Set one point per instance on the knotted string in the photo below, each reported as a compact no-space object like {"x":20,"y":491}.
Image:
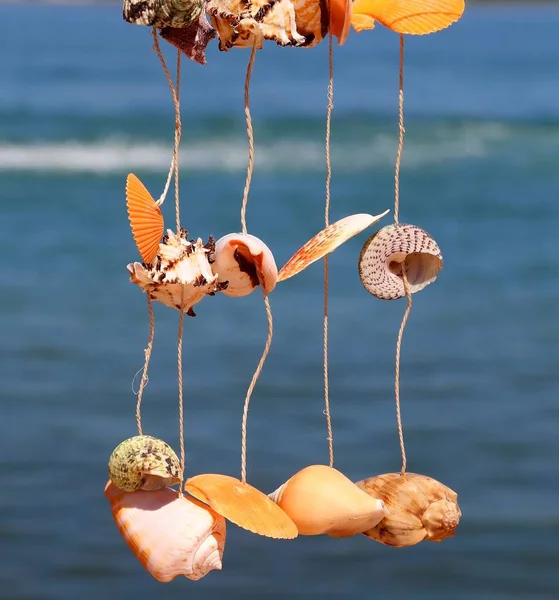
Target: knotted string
{"x":147,"y":353}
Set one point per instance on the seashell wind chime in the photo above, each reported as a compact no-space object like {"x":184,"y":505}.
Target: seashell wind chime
{"x":182,"y":531}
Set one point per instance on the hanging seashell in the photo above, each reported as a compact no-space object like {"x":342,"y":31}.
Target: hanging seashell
{"x":415,"y":17}
{"x":301,"y":23}
{"x":143,"y":462}
{"x":384,"y":253}
{"x":191,"y":40}
{"x":169,"y":535}
{"x":326,"y":241}
{"x":162,"y":13}
{"x":179,"y":274}
{"x":242,"y":504}
{"x":321,"y":500}
{"x":419,"y":508}
{"x":244,"y":262}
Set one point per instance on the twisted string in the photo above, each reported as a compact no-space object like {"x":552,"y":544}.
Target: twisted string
{"x":181,"y":400}
{"x":147,"y":353}
{"x":250,"y":135}
{"x":175,"y":93}
{"x":250,"y":168}
{"x":407,"y":291}
{"x":330,"y":107}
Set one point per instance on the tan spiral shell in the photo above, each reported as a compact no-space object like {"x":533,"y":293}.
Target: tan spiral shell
{"x":380,"y":262}
{"x":143,"y":462}
{"x":419,"y":508}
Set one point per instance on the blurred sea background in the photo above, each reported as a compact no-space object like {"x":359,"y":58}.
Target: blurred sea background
{"x":83,"y":102}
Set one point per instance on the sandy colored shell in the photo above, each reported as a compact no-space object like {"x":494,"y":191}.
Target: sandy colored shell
{"x":243,"y":262}
{"x":144,"y":462}
{"x":419,"y":508}
{"x":326,"y":241}
{"x":162,"y":13}
{"x":169,"y":535}
{"x":242,"y":504}
{"x":382,"y":256}
{"x":414,"y":17}
{"x":321,"y":500}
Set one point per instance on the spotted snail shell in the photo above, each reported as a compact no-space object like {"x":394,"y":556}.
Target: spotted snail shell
{"x":162,"y":13}
{"x":169,"y":535}
{"x":143,"y":462}
{"x":395,"y":247}
{"x":321,"y":500}
{"x":419,"y":508}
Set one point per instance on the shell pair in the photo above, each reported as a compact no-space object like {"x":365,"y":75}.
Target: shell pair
{"x":419,"y":508}
{"x":179,"y":273}
{"x":170,"y":535}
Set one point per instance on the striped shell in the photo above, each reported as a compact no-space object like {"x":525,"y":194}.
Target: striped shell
{"x":162,"y":13}
{"x":169,"y":535}
{"x":143,"y":462}
{"x":384,"y":253}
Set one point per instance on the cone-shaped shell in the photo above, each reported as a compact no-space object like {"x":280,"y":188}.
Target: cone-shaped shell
{"x":382,"y":256}
{"x":143,"y":462}
{"x":419,"y":508}
{"x":320,"y":499}
{"x":169,"y":535}
{"x":145,"y":218}
{"x":242,"y":504}
{"x":415,"y":17}
{"x":326,"y":241}
{"x":244,"y":262}
{"x":162,"y":13}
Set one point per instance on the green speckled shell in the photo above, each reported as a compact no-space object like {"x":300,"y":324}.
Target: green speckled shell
{"x":143,"y":462}
{"x":162,"y":13}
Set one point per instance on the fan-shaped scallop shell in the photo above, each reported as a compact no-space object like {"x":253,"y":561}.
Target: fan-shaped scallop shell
{"x":419,"y":508}
{"x":162,"y":13}
{"x":143,"y":462}
{"x":242,"y":504}
{"x":169,"y":535}
{"x":382,"y":256}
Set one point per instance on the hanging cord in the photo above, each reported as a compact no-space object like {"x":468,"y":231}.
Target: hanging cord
{"x":330,"y":107}
{"x":250,"y":135}
{"x":147,"y":353}
{"x":402,"y":131}
{"x":175,"y":93}
{"x":250,"y":167}
{"x":253,"y":384}
{"x":181,"y":400}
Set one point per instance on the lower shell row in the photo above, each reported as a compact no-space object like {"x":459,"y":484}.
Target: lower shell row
{"x":174,"y":534}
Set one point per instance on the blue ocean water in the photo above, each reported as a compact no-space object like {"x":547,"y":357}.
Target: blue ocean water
{"x":83,"y":102}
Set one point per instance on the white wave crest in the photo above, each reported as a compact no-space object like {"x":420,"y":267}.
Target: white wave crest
{"x":230,"y":155}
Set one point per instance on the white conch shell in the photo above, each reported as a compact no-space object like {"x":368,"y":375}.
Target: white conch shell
{"x":180,"y":275}
{"x":321,"y":500}
{"x":143,"y":462}
{"x":243,"y":262}
{"x":326,"y":241}
{"x":419,"y":508}
{"x":169,"y":535}
{"x":382,"y":256}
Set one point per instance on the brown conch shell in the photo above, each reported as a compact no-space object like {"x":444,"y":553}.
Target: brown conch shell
{"x":301,"y":23}
{"x":244,"y":262}
{"x":169,"y":535}
{"x":384,"y":253}
{"x":143,"y":462}
{"x":419,"y":508}
{"x":321,"y":500}
{"x":326,"y":241}
{"x":242,"y":504}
